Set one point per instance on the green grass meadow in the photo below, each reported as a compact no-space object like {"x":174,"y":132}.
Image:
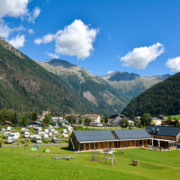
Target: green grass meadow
{"x":23,"y":164}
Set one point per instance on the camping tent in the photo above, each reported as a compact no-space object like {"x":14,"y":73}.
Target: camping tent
{"x":47,"y":150}
{"x":33,"y":149}
{"x":36,"y":146}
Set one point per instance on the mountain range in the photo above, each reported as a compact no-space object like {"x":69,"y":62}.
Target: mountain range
{"x":111,"y":92}
{"x":26,"y":86}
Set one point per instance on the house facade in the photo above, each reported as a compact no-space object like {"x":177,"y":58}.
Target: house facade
{"x":156,"y":121}
{"x":94,"y":117}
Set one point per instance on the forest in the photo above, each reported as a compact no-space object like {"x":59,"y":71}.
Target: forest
{"x":163,"y":98}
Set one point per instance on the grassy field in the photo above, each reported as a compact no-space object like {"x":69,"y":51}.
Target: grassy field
{"x":172,"y":116}
{"x":23,"y":164}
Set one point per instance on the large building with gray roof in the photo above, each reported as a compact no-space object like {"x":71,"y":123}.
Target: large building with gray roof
{"x":93,"y":140}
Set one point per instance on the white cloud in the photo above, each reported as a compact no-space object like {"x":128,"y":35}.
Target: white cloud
{"x":174,"y":64}
{"x":5,"y":31}
{"x":139,"y":58}
{"x":30,"y":31}
{"x":109,"y":72}
{"x":34,"y":15}
{"x":46,"y":39}
{"x":75,"y":40}
{"x":14,"y":8}
{"x":55,"y":56}
{"x":17,"y":41}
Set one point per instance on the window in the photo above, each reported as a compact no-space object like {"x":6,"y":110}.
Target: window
{"x":87,"y":146}
{"x":103,"y":145}
{"x":92,"y":145}
{"x":95,"y":145}
{"x":109,"y":145}
{"x":81,"y":147}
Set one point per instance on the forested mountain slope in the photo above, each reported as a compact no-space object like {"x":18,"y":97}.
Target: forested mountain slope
{"x":162,"y":98}
{"x":97,"y":91}
{"x":26,"y":86}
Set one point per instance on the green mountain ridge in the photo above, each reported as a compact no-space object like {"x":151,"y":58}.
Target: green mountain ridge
{"x":93,"y":88}
{"x":26,"y":86}
{"x":162,"y":98}
{"x":107,"y":94}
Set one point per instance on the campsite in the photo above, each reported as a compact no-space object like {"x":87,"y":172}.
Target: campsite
{"x":23,"y":161}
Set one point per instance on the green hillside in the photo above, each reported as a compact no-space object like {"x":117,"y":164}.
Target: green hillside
{"x":97,"y":91}
{"x":163,"y":98}
{"x":26,"y":86}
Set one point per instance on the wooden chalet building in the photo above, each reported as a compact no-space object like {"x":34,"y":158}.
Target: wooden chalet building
{"x":96,"y":140}
{"x":91,"y":140}
{"x":164,"y":136}
{"x":131,"y":138}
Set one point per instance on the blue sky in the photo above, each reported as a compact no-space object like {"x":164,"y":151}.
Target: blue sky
{"x":134,"y":36}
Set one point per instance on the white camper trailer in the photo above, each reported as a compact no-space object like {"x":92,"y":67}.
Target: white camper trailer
{"x":41,"y":133}
{"x":26,"y":134}
{"x":6,"y":133}
{"x":9,"y":128}
{"x":9,"y":140}
{"x":15,"y":135}
{"x":46,"y":130}
{"x":65,"y":135}
{"x":45,"y":136}
{"x":50,"y":134}
{"x":55,"y":132}
{"x":64,"y":131}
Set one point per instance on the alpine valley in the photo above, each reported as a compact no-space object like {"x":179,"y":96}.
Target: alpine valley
{"x":110,"y":93}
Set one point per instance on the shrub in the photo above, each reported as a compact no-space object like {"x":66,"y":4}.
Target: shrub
{"x":23,"y":142}
{"x":66,"y":141}
{"x":46,"y":141}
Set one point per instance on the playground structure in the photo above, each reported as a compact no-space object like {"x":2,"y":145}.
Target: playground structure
{"x":109,"y":155}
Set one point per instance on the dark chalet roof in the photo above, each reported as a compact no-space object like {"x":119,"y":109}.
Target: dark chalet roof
{"x":105,"y":135}
{"x":163,"y":130}
{"x":132,"y":134}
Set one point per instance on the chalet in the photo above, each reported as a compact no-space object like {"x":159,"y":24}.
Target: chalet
{"x":6,"y":123}
{"x":156,"y":121}
{"x":164,"y":136}
{"x":34,"y":124}
{"x":116,"y":119}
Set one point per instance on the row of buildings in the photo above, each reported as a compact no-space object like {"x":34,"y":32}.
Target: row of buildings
{"x":156,"y":136}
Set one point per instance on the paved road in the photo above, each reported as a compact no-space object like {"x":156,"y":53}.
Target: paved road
{"x":10,"y":145}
